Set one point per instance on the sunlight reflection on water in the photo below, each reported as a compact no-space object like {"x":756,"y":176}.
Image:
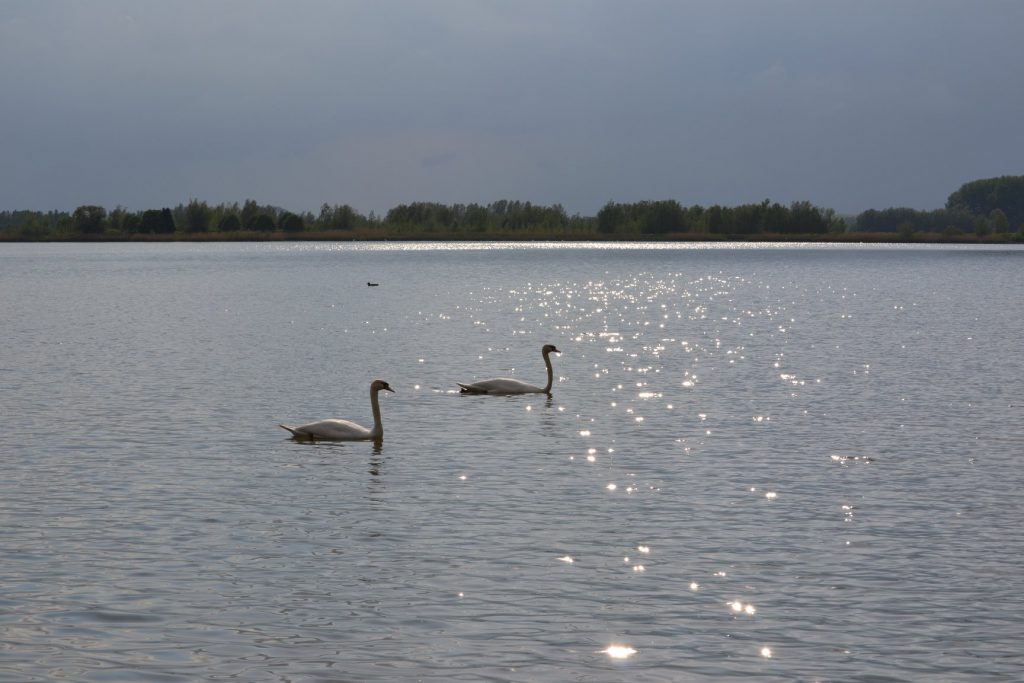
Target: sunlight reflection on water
{"x":418,"y":246}
{"x":619,"y":651}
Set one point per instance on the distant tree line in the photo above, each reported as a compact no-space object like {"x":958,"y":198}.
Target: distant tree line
{"x":981,"y":209}
{"x":195,"y":218}
{"x":989,"y":207}
{"x":669,"y":217}
{"x":503,"y":218}
{"x":498,"y":217}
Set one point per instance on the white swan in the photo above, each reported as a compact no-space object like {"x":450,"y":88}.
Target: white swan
{"x":343,"y":430}
{"x":507,"y":385}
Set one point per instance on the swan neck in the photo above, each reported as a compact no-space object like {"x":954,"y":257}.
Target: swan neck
{"x":378,"y":428}
{"x":551,"y":373}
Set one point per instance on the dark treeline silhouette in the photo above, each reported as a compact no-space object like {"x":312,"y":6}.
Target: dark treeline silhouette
{"x":990,"y":209}
{"x":1003,"y":195}
{"x":903,"y":220}
{"x":668,"y":217}
{"x":498,"y":217}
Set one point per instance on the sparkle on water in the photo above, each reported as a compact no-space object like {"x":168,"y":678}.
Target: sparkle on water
{"x":619,"y":651}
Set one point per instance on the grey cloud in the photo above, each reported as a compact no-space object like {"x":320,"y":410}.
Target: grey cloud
{"x":851,"y":105}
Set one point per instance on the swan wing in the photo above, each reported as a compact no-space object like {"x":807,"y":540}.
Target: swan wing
{"x":500,"y":385}
{"x":333,"y":430}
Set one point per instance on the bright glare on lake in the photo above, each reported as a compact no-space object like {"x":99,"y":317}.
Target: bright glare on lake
{"x":770,"y":462}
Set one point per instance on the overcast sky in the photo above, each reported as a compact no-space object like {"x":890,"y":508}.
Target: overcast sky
{"x":850,"y":104}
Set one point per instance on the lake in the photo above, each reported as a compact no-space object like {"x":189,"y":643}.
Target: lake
{"x":782,"y":462}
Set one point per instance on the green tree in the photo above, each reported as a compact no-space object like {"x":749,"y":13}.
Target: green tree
{"x":197,"y":216}
{"x":32,"y":227}
{"x":64,"y":228}
{"x":131,"y":224}
{"x":1000,"y":223}
{"x":261,"y":223}
{"x":291,"y":223}
{"x":157,"y":222}
{"x":342,"y":217}
{"x":229,"y":222}
{"x":116,"y":221}
{"x":250,"y":209}
{"x":611,"y":218}
{"x":806,"y":219}
{"x":981,"y":197}
{"x":89,"y":220}
{"x":476,"y":218}
{"x":714,"y":219}
{"x":662,"y":217}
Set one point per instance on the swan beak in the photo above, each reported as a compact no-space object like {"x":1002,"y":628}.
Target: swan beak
{"x":387,"y":387}
{"x":557,"y":351}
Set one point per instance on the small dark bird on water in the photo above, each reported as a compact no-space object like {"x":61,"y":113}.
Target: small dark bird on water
{"x":372,"y":284}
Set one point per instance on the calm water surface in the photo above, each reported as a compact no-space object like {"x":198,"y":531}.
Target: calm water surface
{"x":786,"y":463}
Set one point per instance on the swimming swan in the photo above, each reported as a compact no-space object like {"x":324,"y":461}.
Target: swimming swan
{"x":343,"y":430}
{"x":507,"y":385}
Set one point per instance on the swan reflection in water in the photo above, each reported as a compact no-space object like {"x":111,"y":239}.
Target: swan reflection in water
{"x":502,"y":386}
{"x":345,"y":430}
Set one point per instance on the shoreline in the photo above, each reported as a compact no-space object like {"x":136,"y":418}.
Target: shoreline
{"x":363,"y":236}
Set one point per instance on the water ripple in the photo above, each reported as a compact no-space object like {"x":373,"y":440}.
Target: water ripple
{"x":814,"y":456}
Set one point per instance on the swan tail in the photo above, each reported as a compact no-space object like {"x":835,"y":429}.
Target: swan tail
{"x":470,"y":389}
{"x":295,"y":432}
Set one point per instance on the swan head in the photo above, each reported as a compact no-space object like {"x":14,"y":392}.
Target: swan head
{"x":549,"y":348}
{"x":379,"y":384}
